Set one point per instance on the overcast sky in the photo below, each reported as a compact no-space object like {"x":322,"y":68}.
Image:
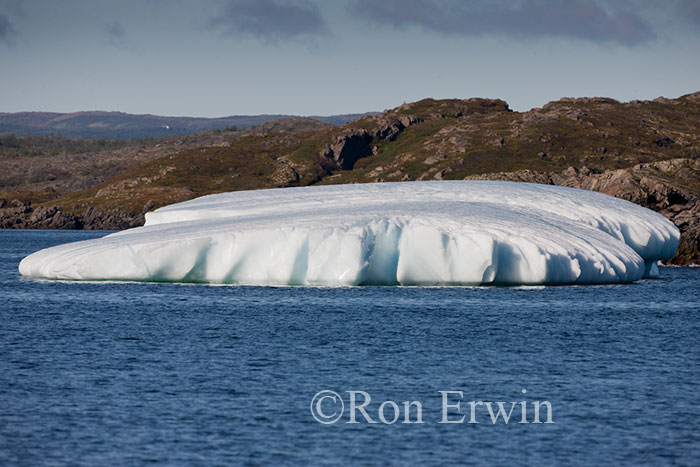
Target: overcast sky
{"x":225,"y":57}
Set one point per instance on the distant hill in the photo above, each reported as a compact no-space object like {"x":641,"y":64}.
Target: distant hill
{"x":119,"y":125}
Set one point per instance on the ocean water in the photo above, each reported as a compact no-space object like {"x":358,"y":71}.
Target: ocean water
{"x":137,"y":373}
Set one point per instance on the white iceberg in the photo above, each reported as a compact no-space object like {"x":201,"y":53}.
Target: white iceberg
{"x":413,"y":233}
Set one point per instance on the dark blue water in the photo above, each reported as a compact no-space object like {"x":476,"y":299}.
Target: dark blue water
{"x":112,"y":374}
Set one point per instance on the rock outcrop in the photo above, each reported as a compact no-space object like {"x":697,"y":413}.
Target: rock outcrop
{"x":346,"y":150}
{"x":356,"y":143}
{"x":25,"y":216}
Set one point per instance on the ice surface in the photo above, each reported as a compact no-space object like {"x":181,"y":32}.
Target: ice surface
{"x":413,"y":233}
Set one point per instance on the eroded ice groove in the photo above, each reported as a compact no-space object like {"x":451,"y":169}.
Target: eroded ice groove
{"x":465,"y":232}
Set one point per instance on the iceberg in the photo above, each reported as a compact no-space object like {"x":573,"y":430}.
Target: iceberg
{"x":407,"y":233}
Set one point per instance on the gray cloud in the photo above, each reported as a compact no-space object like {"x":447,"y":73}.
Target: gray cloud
{"x":271,"y":20}
{"x":8,"y":33}
{"x":691,"y":10}
{"x":116,"y":34}
{"x":578,"y":19}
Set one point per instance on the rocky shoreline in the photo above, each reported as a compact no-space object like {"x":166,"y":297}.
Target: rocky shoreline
{"x":22,"y":215}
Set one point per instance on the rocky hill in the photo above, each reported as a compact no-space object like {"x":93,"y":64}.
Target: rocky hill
{"x":643,"y":151}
